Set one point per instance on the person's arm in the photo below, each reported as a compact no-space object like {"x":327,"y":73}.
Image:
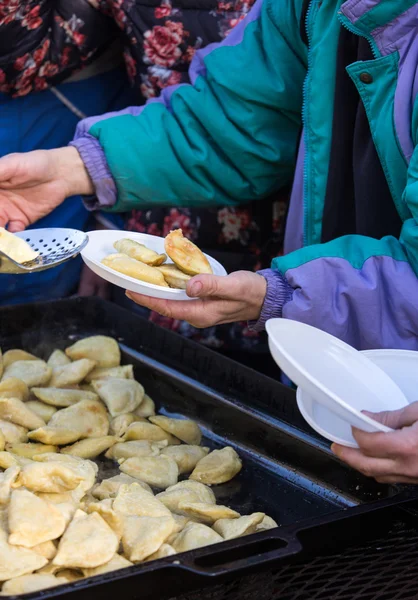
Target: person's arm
{"x":228,"y":138}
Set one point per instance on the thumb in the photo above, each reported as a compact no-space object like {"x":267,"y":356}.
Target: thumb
{"x":227,"y":288}
{"x":396,"y":419}
{"x":8,"y":165}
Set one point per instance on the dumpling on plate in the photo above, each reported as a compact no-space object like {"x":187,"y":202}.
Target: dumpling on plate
{"x":157,"y":471}
{"x":103,"y":349}
{"x":62,"y":398}
{"x":139,"y":252}
{"x":16,"y":411}
{"x":186,"y":457}
{"x":120,"y":395}
{"x":233,"y":528}
{"x":32,"y":372}
{"x":195,"y":535}
{"x":16,"y":354}
{"x":217,"y":467}
{"x":143,"y":536}
{"x":44,"y":411}
{"x":71,"y":374}
{"x":185,"y":430}
{"x":133,"y":268}
{"x":14,"y":388}
{"x":33,"y":521}
{"x":87,"y":416}
{"x":186,"y":255}
{"x":88,"y":542}
{"x":174,"y":277}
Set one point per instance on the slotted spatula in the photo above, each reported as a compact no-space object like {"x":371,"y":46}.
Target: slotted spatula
{"x":55,"y":246}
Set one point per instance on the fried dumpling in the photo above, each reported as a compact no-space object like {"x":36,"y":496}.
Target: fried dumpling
{"x":16,"y":561}
{"x":44,"y":411}
{"x":59,"y":436}
{"x":206,"y":513}
{"x":109,"y":488}
{"x":120,"y":395}
{"x":135,"y":269}
{"x":88,"y":542}
{"x":186,"y":457}
{"x":58,"y":358}
{"x":16,"y":247}
{"x":30,"y":449}
{"x":136,"y":448}
{"x":143,"y":536}
{"x":157,"y":471}
{"x":134,"y":500}
{"x":8,"y":460}
{"x":186,"y":255}
{"x":46,"y":549}
{"x":146,"y":408}
{"x":91,"y":447}
{"x":86,"y":470}
{"x":195,"y":535}
{"x":16,"y":354}
{"x":62,"y":398}
{"x":34,"y":582}
{"x":14,"y":388}
{"x":13,"y":433}
{"x":204,"y":493}
{"x":71,"y":374}
{"x":7,"y":479}
{"x":105,"y":510}
{"x":102,"y":349}
{"x":115,"y":563}
{"x":119,"y":425}
{"x":174,"y":277}
{"x":87,"y":416}
{"x":172,"y":500}
{"x":125,"y":372}
{"x":217,"y":467}
{"x":33,"y":521}
{"x":183,"y":429}
{"x":32,"y":372}
{"x":50,"y":477}
{"x":233,"y":528}
{"x":163,"y":551}
{"x":266,"y":523}
{"x":139,"y":252}
{"x":16,"y":411}
{"x":147,"y":431}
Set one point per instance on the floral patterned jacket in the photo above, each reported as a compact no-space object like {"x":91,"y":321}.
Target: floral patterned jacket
{"x":45,"y":41}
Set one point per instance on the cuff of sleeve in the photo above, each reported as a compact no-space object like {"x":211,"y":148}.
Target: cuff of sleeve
{"x":278,"y":293}
{"x":94,"y":160}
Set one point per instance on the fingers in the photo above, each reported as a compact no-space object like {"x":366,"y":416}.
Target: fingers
{"x":202,"y":286}
{"x":396,"y":419}
{"x":192,"y":312}
{"x":369,"y":466}
{"x":8,"y":165}
{"x":17,"y":225}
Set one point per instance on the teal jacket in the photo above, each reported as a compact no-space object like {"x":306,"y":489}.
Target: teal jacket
{"x":232,"y":135}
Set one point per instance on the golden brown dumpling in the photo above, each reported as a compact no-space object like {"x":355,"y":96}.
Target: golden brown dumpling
{"x":14,"y":388}
{"x":139,"y":252}
{"x":16,"y":411}
{"x":125,"y":372}
{"x":86,"y":470}
{"x":204,"y":493}
{"x":148,"y":431}
{"x":217,"y":467}
{"x":16,"y":247}
{"x":206,"y":513}
{"x":135,"y":269}
{"x":49,"y":477}
{"x":58,"y":359}
{"x":134,"y":500}
{"x":71,"y":374}
{"x":34,"y":582}
{"x":233,"y":528}
{"x":87,"y":543}
{"x":266,"y":523}
{"x":186,"y":457}
{"x":136,"y":448}
{"x":59,"y":436}
{"x":91,"y":447}
{"x":172,"y":500}
{"x":119,"y":425}
{"x":62,"y":398}
{"x":7,"y":479}
{"x":16,"y":561}
{"x":120,"y":395}
{"x":146,"y":408}
{"x":29,"y":450}
{"x":143,"y":536}
{"x":16,"y":354}
{"x":163,"y":551}
{"x":109,"y":488}
{"x":115,"y":563}
{"x":105,"y":510}
{"x":87,"y":416}
{"x":13,"y":433}
{"x":44,"y":411}
{"x":195,"y":535}
{"x":186,"y":255}
{"x":157,"y":471}
{"x":174,"y":277}
{"x":183,"y":429}
{"x":102,"y":349}
{"x":32,"y":372}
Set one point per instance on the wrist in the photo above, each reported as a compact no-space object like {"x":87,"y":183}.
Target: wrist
{"x":69,"y":167}
{"x":278,"y":293}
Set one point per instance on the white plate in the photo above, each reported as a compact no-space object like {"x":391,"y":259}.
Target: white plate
{"x":400,"y":365}
{"x":332,"y":373}
{"x":101,"y":244}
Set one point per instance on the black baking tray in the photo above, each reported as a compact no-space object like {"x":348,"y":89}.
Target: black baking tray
{"x":289,"y":472}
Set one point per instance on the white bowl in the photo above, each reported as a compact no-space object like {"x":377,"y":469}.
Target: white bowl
{"x":400,"y":365}
{"x":100,"y":245}
{"x":333,"y":374}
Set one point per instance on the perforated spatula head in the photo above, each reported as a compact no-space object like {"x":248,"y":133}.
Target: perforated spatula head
{"x":55,"y":246}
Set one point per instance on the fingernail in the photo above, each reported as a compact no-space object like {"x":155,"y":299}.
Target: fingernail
{"x":196,"y":288}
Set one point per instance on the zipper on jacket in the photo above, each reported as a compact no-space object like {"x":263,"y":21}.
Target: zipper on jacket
{"x":350,"y":27}
{"x":306,"y":216}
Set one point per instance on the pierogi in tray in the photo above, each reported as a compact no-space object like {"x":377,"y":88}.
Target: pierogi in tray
{"x":60,"y":522}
